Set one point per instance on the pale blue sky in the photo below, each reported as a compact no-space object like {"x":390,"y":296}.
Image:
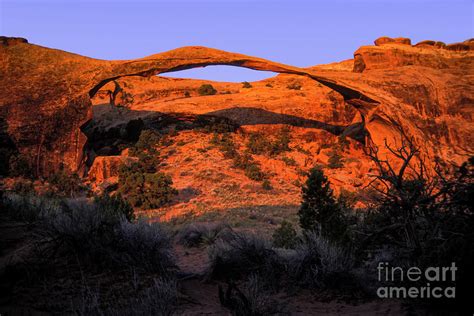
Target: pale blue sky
{"x":297,"y":32}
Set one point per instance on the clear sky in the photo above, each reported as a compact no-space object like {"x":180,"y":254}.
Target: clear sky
{"x":297,"y":32}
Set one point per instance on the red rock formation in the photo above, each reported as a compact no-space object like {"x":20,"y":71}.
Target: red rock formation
{"x":46,"y":94}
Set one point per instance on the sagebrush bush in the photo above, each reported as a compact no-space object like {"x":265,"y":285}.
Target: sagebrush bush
{"x":259,"y":143}
{"x":161,"y":299}
{"x":285,"y":236}
{"x":319,"y":263}
{"x":114,"y":207}
{"x":66,"y":183}
{"x":253,"y":299}
{"x":206,"y":89}
{"x":143,"y":189}
{"x":199,"y":234}
{"x":240,"y":254}
{"x":100,"y":239}
{"x":28,"y":207}
{"x":225,"y":144}
{"x":144,"y":245}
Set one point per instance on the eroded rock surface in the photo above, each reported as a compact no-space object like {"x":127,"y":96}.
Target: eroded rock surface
{"x":45,"y":95}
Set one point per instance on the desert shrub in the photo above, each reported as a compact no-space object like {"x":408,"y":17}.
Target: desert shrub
{"x":28,"y":207}
{"x":145,"y":245}
{"x":114,"y":207}
{"x":319,"y":210}
{"x":253,"y":299}
{"x":146,"y":143}
{"x":269,"y":85}
{"x":335,"y":160}
{"x":19,"y":166}
{"x":187,"y":94}
{"x":246,"y":85}
{"x":319,"y":263}
{"x":146,"y":190}
{"x":285,"y":236}
{"x":282,"y":142}
{"x":99,"y":239}
{"x":199,"y":234}
{"x":266,"y":185}
{"x":206,"y":89}
{"x":66,"y":183}
{"x":258,"y":144}
{"x":294,"y":86}
{"x":251,"y":168}
{"x":343,"y":142}
{"x":253,"y":172}
{"x":214,"y":124}
{"x":23,"y":186}
{"x":239,"y":255}
{"x":160,"y":299}
{"x":288,"y":161}
{"x":225,"y":144}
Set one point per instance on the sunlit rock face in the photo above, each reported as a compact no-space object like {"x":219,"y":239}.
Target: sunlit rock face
{"x":46,"y":94}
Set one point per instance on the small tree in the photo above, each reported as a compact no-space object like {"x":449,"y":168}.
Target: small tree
{"x":146,"y":190}
{"x":114,"y":207}
{"x":207,"y":89}
{"x":246,"y":85}
{"x":319,"y":210}
{"x":285,"y":235}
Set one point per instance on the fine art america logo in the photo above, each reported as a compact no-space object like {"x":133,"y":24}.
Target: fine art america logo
{"x":431,"y":282}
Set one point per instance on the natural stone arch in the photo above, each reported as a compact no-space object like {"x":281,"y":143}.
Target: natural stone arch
{"x":50,"y":99}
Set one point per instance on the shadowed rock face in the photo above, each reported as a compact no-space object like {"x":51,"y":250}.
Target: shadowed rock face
{"x":45,"y":95}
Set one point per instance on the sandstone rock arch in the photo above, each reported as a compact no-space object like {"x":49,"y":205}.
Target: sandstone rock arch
{"x":48,"y":91}
{"x":45,"y":95}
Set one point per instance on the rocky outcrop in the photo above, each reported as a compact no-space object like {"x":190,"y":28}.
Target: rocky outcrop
{"x":388,"y":40}
{"x":46,"y":93}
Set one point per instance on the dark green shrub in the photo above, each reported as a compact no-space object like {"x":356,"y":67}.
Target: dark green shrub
{"x":266,"y":185}
{"x":146,"y":143}
{"x":335,"y":160}
{"x":258,"y":144}
{"x":319,"y":263}
{"x":251,"y":168}
{"x":246,"y":85}
{"x":20,"y":167}
{"x":225,"y":143}
{"x":66,"y":183}
{"x":146,"y":190}
{"x":285,"y":236}
{"x":213,"y":124}
{"x":319,"y":210}
{"x":269,"y":85}
{"x":253,"y":172}
{"x":253,"y":299}
{"x":288,"y":161}
{"x":239,"y":255}
{"x":199,"y":234}
{"x":206,"y":89}
{"x":294,"y":86}
{"x":282,"y":142}
{"x":114,"y":207}
{"x":23,"y":186}
{"x":187,"y":94}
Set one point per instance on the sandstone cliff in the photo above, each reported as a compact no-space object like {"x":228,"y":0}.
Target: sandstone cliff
{"x":426,"y":89}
